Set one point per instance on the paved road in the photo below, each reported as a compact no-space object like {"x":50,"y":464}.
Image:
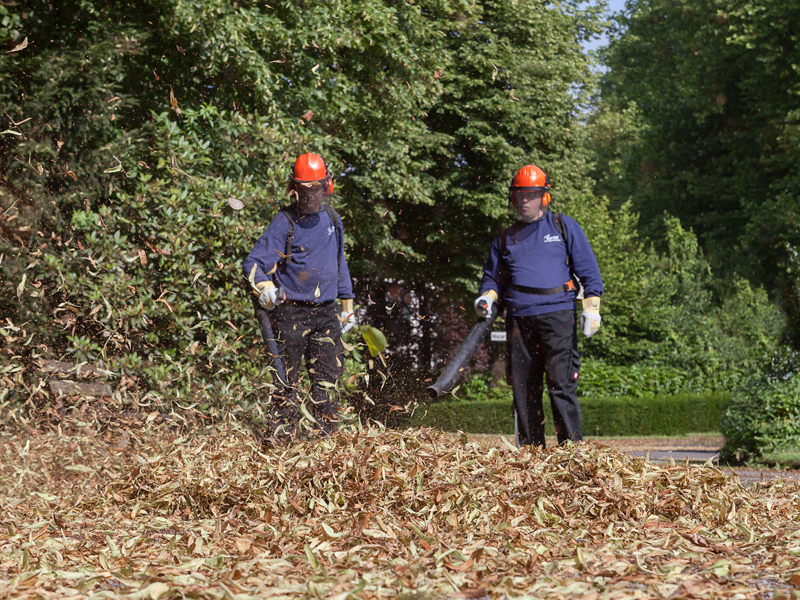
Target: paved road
{"x":679,"y":456}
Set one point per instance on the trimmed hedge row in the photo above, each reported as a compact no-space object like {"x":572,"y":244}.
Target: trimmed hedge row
{"x":616,"y":416}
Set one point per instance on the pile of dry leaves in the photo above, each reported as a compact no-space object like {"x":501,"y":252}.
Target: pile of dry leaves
{"x":378,"y":513}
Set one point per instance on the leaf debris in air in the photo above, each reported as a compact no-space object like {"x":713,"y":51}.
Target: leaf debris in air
{"x":21,"y":46}
{"x":173,"y":102}
{"x":235,"y":203}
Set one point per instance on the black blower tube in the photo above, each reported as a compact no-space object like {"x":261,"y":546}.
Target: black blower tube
{"x":467,"y":348}
{"x":267,"y":334}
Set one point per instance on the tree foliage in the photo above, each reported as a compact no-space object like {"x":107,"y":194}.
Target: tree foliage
{"x":698,"y":117}
{"x":146,"y":146}
{"x":135,"y":131}
{"x":513,"y":81}
{"x":764,"y":414}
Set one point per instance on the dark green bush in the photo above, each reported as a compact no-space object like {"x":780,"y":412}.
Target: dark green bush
{"x":655,"y":415}
{"x":764,"y":415}
{"x":599,"y":379}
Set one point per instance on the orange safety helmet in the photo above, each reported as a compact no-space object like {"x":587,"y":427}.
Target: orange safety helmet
{"x":531,"y":178}
{"x":311,"y":168}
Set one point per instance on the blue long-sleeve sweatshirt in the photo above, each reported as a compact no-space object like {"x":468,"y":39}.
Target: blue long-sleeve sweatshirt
{"x":317,"y":258}
{"x":535,"y":257}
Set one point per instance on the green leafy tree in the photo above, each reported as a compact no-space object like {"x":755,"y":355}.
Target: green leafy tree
{"x":147,"y":126}
{"x":148,"y":145}
{"x":513,"y":79}
{"x":712,"y":86}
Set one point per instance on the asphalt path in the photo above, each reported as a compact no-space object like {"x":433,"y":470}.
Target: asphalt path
{"x":679,"y":456}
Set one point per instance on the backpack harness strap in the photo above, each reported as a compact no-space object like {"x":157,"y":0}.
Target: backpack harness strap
{"x":289,"y":210}
{"x":568,"y":286}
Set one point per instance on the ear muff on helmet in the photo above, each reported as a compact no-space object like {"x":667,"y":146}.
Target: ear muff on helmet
{"x":546,"y":199}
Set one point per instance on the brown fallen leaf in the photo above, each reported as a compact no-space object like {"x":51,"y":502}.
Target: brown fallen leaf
{"x":173,"y":101}
{"x":467,"y":565}
{"x":307,"y":116}
{"x":695,"y":587}
{"x":21,"y":46}
{"x":361,"y":523}
{"x":243,"y":544}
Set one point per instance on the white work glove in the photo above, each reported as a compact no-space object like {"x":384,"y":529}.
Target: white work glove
{"x":347,"y":317}
{"x":590,"y":317}
{"x":483,"y":304}
{"x":269,"y":295}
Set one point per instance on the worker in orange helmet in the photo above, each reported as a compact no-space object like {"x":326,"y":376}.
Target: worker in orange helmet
{"x":537,"y":268}
{"x":299,"y":268}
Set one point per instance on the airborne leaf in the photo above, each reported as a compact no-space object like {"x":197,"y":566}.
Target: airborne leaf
{"x":235,"y":203}
{"x":376,"y":341}
{"x":21,"y":286}
{"x":21,"y":46}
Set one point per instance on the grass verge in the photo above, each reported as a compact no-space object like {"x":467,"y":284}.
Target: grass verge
{"x":789,"y":458}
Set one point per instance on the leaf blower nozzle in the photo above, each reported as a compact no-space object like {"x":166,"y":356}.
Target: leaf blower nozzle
{"x":465,"y":351}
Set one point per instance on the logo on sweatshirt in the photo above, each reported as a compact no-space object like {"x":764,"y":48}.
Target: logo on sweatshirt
{"x":331,"y":230}
{"x":552,"y":238}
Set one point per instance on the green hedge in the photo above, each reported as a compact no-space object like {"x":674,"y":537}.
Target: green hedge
{"x":618,"y":416}
{"x":763,"y":417}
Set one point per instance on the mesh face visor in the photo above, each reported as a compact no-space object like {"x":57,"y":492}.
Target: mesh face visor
{"x":309,"y":188}
{"x":528,"y":194}
{"x":308,"y":184}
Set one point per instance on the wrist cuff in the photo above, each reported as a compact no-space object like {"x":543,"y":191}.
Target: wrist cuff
{"x":592,"y":303}
{"x":264,"y":285}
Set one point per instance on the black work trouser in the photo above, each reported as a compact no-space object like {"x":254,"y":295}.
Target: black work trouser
{"x":310,"y":331}
{"x":545,"y":346}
